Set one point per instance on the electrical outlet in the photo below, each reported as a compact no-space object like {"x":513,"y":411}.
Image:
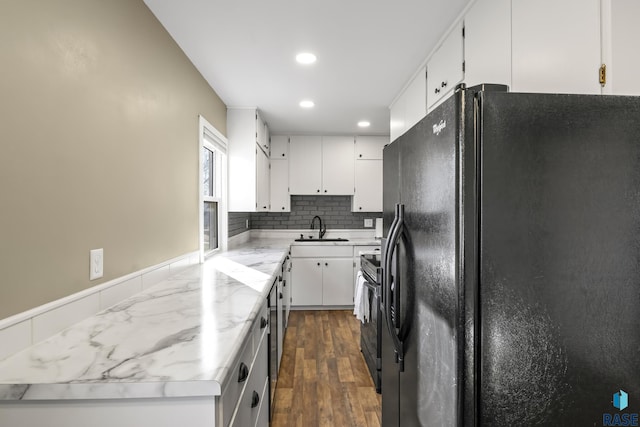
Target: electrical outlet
{"x":96,"y":260}
{"x":368,"y":223}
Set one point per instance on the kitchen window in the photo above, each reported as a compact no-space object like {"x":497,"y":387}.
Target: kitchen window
{"x":213,"y":198}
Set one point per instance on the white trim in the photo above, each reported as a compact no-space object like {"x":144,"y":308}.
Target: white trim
{"x":222,"y":207}
{"x":78,"y":299}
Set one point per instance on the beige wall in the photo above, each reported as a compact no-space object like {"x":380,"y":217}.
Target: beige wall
{"x":98,"y":145}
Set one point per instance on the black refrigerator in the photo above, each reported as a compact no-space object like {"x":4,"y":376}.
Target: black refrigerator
{"x":511,"y":281}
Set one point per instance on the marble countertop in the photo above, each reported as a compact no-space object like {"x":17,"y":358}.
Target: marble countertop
{"x":178,"y":338}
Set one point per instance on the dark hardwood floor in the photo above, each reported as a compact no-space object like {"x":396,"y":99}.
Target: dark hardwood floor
{"x":323,"y":378}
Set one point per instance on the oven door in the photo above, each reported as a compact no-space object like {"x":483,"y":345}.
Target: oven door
{"x":370,"y":335}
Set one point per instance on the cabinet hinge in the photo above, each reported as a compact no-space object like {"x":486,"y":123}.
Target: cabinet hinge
{"x":463,"y":32}
{"x":602,"y":75}
{"x":464,"y":63}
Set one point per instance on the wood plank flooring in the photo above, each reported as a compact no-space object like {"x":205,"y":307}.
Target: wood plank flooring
{"x":323,"y":379}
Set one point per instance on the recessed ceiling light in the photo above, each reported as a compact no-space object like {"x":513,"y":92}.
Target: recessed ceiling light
{"x":307,"y":104}
{"x":306,"y":58}
{"x":364,"y":124}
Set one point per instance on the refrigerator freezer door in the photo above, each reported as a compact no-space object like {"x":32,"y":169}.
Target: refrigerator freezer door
{"x":559,"y":258}
{"x":423,"y":178}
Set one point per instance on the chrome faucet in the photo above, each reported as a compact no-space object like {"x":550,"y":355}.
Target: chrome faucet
{"x":322,"y":229}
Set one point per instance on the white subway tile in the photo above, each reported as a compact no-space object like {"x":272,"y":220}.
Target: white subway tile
{"x":52,"y":322}
{"x":155,"y":276}
{"x":119,"y":292}
{"x":15,"y":338}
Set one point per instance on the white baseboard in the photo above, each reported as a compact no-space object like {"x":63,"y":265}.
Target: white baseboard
{"x":29,"y":327}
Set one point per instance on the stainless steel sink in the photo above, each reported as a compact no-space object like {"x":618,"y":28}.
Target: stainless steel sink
{"x":315,"y":239}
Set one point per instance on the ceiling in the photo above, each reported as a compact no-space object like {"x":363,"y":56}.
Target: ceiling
{"x":366,"y":52}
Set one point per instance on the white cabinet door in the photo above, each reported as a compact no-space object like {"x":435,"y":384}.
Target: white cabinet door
{"x":409,"y":107}
{"x":416,"y":99}
{"x":337,"y":165}
{"x":279,"y":147}
{"x":368,"y":195}
{"x":262,"y":197}
{"x":556,"y":46}
{"x":487,"y":43}
{"x":397,"y":126}
{"x":370,"y":147}
{"x":242,"y":158}
{"x":305,"y":165}
{"x":280,"y":199}
{"x":306,"y":278}
{"x":261,"y":133}
{"x":620,"y":44}
{"x":337,"y":281}
{"x":444,"y":69}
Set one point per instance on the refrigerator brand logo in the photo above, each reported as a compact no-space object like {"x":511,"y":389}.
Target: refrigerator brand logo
{"x":437,"y":128}
{"x":620,"y":402}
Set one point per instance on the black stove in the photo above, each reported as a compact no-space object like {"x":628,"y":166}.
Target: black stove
{"x":371,"y":331}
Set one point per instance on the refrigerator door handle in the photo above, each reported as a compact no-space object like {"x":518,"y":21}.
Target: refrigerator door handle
{"x":394,"y":235}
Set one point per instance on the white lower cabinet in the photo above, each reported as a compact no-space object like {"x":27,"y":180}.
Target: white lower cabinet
{"x":242,"y":396}
{"x":322,"y":275}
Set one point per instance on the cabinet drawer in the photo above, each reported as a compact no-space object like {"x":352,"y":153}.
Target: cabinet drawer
{"x":253,"y":394}
{"x":321,"y":251}
{"x":239,"y":377}
{"x":258,"y":329}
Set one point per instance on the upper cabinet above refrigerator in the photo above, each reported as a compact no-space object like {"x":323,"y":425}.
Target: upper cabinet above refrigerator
{"x":556,"y":46}
{"x":445,"y":67}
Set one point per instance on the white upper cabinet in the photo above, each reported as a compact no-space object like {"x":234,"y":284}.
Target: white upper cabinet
{"x":248,"y":164}
{"x":621,"y":34}
{"x":305,"y":165}
{"x":487,"y":43}
{"x":445,"y":67}
{"x":410,"y":106}
{"x":321,"y":165}
{"x":279,"y":147}
{"x":556,"y":46}
{"x":370,"y":147}
{"x":280,"y":199}
{"x":263,"y":181}
{"x":368,"y":186}
{"x":262,"y":133}
{"x":337,"y":165}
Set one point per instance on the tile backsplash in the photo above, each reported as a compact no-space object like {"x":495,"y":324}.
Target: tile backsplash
{"x":335,"y":212}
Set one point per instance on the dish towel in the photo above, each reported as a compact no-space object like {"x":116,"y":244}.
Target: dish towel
{"x":361,"y":300}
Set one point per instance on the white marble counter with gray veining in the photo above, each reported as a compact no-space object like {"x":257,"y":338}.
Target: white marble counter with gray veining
{"x":178,"y":338}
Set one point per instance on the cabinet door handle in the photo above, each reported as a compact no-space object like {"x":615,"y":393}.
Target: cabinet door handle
{"x":282,"y":154}
{"x":283,"y":208}
{"x":281,"y":296}
{"x":255,"y":399}
{"x":263,"y":323}
{"x":243,"y":373}
{"x":317,"y":191}
{"x":360,"y":208}
{"x":360,"y":155}
{"x":318,"y":263}
{"x":325,"y":191}
{"x":326,"y":264}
